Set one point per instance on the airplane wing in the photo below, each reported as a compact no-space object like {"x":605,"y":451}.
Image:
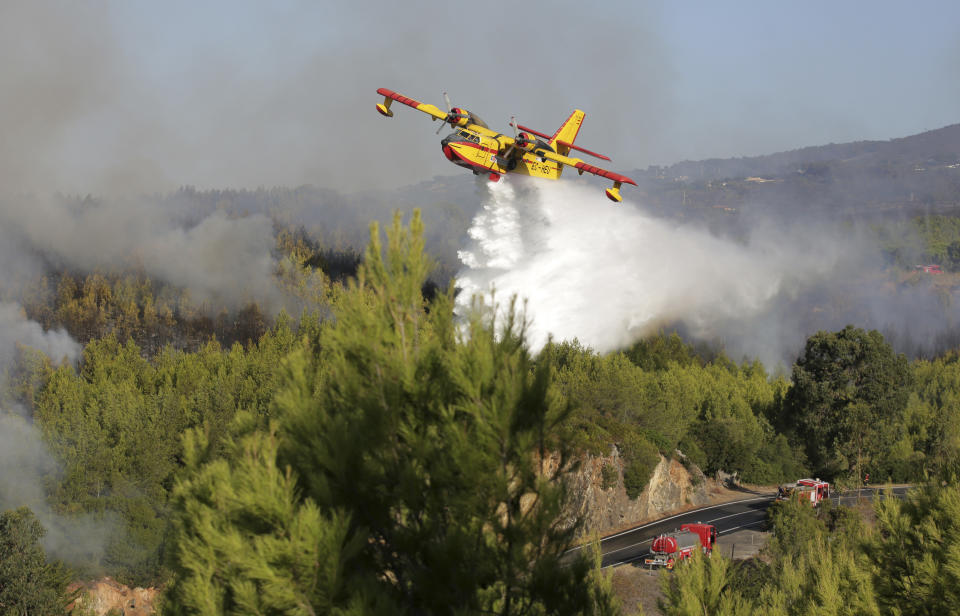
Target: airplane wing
{"x":389,"y":96}
{"x":456,"y":116}
{"x":581,"y":166}
{"x":612,"y":193}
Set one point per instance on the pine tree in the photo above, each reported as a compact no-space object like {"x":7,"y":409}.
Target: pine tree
{"x":916,"y":555}
{"x":702,"y":585}
{"x":430,"y":448}
{"x":435,"y":439}
{"x":247,"y":544}
{"x":29,"y":583}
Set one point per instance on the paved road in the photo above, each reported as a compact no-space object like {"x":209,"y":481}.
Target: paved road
{"x":750,"y":512}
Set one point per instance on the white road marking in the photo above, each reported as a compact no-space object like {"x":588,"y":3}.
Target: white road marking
{"x":741,"y":526}
{"x":870,"y":492}
{"x":732,"y":515}
{"x":636,"y":528}
{"x":630,"y":560}
{"x":629,"y":546}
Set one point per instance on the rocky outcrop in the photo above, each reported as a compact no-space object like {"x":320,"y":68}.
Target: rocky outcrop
{"x":605,"y":508}
{"x":107,"y":596}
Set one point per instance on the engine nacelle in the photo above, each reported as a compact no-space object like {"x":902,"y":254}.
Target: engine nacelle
{"x":525,"y":141}
{"x":458,"y":117}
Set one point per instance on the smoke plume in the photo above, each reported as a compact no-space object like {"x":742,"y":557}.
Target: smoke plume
{"x":25,"y":463}
{"x":609,"y":275}
{"x":16,"y":329}
{"x":221,"y":260}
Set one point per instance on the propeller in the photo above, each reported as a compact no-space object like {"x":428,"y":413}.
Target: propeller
{"x":522,"y":140}
{"x":513,"y":123}
{"x":452,"y":114}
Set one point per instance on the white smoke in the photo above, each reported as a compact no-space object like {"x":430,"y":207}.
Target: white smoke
{"x":608,"y":275}
{"x":16,"y":329}
{"x":25,"y":462}
{"x":24,"y":465}
{"x":220,"y":259}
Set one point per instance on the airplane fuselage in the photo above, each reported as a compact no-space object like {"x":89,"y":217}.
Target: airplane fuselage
{"x":479,"y":153}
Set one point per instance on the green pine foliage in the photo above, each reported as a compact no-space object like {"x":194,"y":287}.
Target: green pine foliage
{"x":847,"y":403}
{"x":715,"y":412}
{"x":922,"y":240}
{"x":932,"y":422}
{"x":421,"y":447}
{"x":246,"y":543}
{"x":702,"y":585}
{"x":830,"y":561}
{"x":29,"y":582}
{"x":916,"y":555}
{"x":422,"y":457}
{"x":116,"y":426}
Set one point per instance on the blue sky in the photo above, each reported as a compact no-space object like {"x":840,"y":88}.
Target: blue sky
{"x":813,"y":72}
{"x":150,"y":96}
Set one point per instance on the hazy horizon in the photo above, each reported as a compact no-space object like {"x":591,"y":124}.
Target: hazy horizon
{"x":132,"y":97}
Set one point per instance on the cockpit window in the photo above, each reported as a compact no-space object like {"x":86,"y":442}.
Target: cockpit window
{"x":468,"y":136}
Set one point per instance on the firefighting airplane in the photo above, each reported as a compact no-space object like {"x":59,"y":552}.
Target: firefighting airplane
{"x":476,"y":147}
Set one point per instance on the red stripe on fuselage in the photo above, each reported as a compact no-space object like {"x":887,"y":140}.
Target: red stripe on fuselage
{"x":471,"y":144}
{"x":467,"y":163}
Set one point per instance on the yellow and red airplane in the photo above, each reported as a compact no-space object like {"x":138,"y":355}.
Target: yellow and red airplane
{"x":474,"y":146}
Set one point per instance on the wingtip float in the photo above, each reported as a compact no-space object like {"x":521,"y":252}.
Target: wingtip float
{"x":484,"y":151}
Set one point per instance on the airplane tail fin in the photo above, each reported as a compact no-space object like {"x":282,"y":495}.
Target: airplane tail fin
{"x":565,"y":135}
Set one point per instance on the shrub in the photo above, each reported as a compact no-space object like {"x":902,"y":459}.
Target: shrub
{"x":641,"y":457}
{"x":610,"y":476}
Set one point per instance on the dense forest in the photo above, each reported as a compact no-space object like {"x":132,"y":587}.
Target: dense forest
{"x":361,"y":444}
{"x":377,"y":437}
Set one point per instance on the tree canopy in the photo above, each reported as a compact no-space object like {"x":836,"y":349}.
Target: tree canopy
{"x":408,"y":458}
{"x":848,"y":398}
{"x":30,"y":583}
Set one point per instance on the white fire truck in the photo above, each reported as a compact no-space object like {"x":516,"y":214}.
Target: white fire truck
{"x":808,"y":491}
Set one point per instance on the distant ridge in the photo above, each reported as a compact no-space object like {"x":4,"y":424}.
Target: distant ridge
{"x":939,"y":146}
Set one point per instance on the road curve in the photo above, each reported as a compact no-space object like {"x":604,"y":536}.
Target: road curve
{"x":630,"y":545}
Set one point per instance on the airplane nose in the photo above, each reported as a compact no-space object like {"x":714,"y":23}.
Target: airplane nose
{"x":448,"y":152}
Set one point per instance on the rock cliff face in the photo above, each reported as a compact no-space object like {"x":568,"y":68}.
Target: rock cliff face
{"x":604,"y":509}
{"x":107,"y":596}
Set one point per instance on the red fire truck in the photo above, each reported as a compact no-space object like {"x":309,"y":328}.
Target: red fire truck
{"x":809,"y":491}
{"x":667,"y":550}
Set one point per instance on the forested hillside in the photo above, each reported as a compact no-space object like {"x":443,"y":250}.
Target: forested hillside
{"x":384,"y":441}
{"x":309,"y":422}
{"x":865,"y":180}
